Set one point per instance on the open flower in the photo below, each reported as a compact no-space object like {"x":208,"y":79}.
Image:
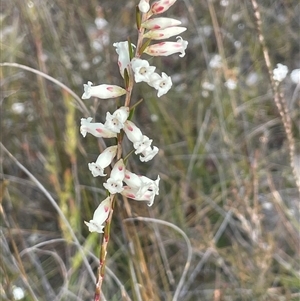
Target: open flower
{"x":167,"y":48}
{"x":148,"y":153}
{"x":142,"y":70}
{"x":102,"y":91}
{"x":140,"y":188}
{"x":100,"y":216}
{"x":161,"y":83}
{"x":160,"y":23}
{"x":161,"y":6}
{"x":103,"y":160}
{"x":141,"y":143}
{"x":115,"y":183}
{"x":97,"y":129}
{"x":115,"y":122}
{"x":160,"y":34}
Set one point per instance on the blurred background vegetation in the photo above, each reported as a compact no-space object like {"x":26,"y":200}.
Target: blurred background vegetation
{"x":226,"y":177}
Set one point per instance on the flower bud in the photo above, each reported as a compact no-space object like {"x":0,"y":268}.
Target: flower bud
{"x":160,"y":34}
{"x":144,"y":6}
{"x":161,"y":6}
{"x":160,"y":23}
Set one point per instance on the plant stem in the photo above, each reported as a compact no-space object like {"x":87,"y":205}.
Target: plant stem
{"x":278,"y":96}
{"x":103,"y":251}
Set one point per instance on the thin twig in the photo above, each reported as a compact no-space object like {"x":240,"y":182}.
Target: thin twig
{"x":279,"y":98}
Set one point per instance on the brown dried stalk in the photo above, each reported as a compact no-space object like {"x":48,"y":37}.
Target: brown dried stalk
{"x":279,"y":98}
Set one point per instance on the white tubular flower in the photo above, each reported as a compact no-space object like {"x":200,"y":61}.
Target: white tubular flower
{"x":140,"y":188}
{"x":123,"y":52}
{"x":103,"y":160}
{"x":132,"y":179}
{"x":132,"y":132}
{"x":144,"y":6}
{"x":161,"y":6}
{"x":160,"y":34}
{"x":100,"y":216}
{"x":167,"y":48}
{"x":115,"y":122}
{"x":161,"y":83}
{"x":97,"y":129}
{"x":148,"y":154}
{"x":141,"y":184}
{"x":102,"y":91}
{"x":115,"y":183}
{"x":160,"y":23}
{"x":142,"y":70}
{"x":142,"y":144}
{"x":280,"y":72}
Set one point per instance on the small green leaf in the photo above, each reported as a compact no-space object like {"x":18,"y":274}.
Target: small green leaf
{"x":126,"y":78}
{"x":130,"y":49}
{"x":144,"y":46}
{"x":138,"y":17}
